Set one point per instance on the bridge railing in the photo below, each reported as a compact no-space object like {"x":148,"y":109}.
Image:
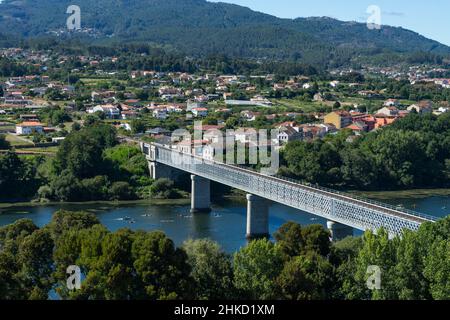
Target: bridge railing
{"x":362,"y":199}
{"x":381,"y":205}
{"x":351,"y":196}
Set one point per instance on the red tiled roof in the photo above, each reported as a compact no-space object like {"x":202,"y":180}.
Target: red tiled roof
{"x":30,"y":124}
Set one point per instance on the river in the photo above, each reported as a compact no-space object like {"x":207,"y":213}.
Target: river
{"x":226,"y":224}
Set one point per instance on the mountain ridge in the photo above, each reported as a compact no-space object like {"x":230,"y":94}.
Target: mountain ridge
{"x":199,"y":27}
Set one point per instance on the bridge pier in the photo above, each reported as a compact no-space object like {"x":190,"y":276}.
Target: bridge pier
{"x":159,"y":171}
{"x":339,"y":231}
{"x":200,"y":194}
{"x":257,"y":217}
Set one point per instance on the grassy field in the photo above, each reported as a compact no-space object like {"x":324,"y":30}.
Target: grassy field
{"x":17,"y":141}
{"x":299,"y":105}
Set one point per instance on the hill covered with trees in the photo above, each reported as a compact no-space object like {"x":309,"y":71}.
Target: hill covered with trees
{"x":198,"y":27}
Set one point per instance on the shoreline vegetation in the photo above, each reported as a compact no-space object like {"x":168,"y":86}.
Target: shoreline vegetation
{"x":235,"y":196}
{"x":181,"y":201}
{"x":402,"y":194}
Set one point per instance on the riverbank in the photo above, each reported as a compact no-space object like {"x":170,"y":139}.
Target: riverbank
{"x":403,"y":194}
{"x":183,"y":201}
{"x":238,"y":196}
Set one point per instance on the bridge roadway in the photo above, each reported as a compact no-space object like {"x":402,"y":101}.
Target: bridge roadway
{"x":338,"y":208}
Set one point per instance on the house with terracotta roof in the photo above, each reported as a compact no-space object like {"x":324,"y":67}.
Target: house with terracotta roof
{"x":30,"y":127}
{"x":382,"y":121}
{"x":358,"y":127}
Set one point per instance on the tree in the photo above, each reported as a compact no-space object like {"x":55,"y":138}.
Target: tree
{"x":211,"y":270}
{"x":410,"y":279}
{"x":137,"y":126}
{"x":80,"y":154}
{"x":162,"y":269}
{"x":437,"y":270}
{"x":70,"y":220}
{"x":306,"y":277}
{"x":316,"y":239}
{"x":255,"y":269}
{"x":379,"y":251}
{"x":433,"y":243}
{"x":65,"y":187}
{"x":76,"y":246}
{"x":289,"y":238}
{"x":163,"y":188}
{"x":12,"y":171}
{"x":295,"y":240}
{"x":4,"y":145}
{"x":110,"y":275}
{"x":36,"y":262}
{"x":25,"y":261}
{"x":121,"y":190}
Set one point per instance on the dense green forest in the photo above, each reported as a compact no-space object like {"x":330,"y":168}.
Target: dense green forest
{"x":200,"y":28}
{"x":412,"y":153}
{"x":301,"y":265}
{"x":148,"y":57}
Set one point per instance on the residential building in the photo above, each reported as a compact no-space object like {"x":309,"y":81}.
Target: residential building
{"x":340,"y":119}
{"x":200,"y":112}
{"x":288,"y":134}
{"x":31,"y":127}
{"x":358,"y":127}
{"x":423,"y":107}
{"x":389,"y":111}
{"x":110,"y":111}
{"x":391,"y":103}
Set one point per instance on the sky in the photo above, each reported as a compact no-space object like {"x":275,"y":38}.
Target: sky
{"x":429,"y":18}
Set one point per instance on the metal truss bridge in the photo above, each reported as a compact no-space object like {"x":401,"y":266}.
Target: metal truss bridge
{"x":355,"y":212}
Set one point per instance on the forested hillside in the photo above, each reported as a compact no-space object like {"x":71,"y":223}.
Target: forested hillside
{"x":198,"y":27}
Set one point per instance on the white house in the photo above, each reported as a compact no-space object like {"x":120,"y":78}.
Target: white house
{"x":288,"y":134}
{"x":110,"y":111}
{"x":334,"y":84}
{"x":443,"y":109}
{"x":200,"y":112}
{"x":391,"y":103}
{"x":26,"y":128}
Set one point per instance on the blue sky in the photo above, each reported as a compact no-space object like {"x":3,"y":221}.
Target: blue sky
{"x":429,"y":18}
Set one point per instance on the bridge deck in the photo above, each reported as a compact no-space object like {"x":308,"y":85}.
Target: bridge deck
{"x":359,"y":213}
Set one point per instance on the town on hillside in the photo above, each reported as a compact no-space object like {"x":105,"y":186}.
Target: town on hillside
{"x":53,"y":92}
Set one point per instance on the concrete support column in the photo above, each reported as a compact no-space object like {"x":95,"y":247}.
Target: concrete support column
{"x":257,"y":217}
{"x":200,"y":194}
{"x":339,"y":231}
{"x":159,"y":171}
